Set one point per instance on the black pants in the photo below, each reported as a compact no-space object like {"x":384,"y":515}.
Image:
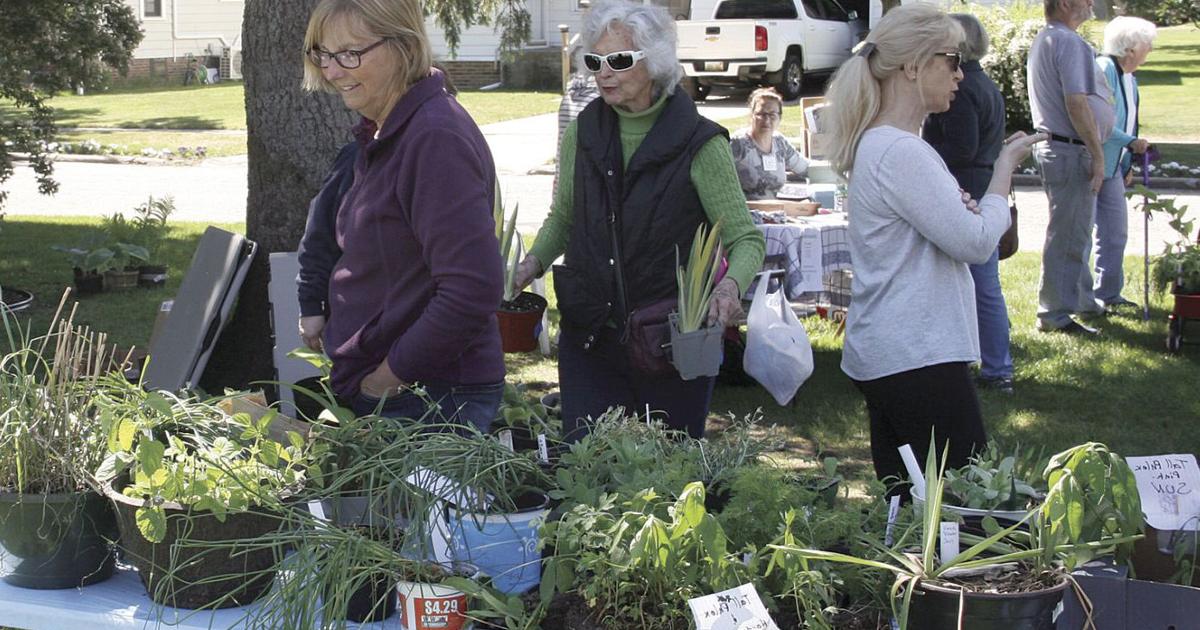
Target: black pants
{"x":598,"y":377}
{"x":906,"y":407}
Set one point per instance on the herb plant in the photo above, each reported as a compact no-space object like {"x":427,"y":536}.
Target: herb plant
{"x":1179,"y":264}
{"x":992,"y":481}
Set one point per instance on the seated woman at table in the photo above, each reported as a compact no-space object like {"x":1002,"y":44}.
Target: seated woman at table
{"x":911,"y":331}
{"x":762,"y":155}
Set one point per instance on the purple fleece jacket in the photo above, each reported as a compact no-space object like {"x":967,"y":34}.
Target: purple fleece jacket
{"x":420,"y":278}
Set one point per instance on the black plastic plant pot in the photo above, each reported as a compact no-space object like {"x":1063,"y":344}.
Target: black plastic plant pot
{"x":152,"y":276}
{"x":374,"y":600}
{"x":202,"y":562}
{"x":937,"y":608}
{"x":56,"y":541}
{"x":89,"y":282}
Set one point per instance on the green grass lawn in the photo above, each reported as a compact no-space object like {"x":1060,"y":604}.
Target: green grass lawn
{"x":1122,"y":389}
{"x":1169,"y":82}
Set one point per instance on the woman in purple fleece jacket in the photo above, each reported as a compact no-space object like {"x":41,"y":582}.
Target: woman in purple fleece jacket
{"x":412,"y":299}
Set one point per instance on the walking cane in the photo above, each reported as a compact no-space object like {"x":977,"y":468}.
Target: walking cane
{"x":1149,"y":156}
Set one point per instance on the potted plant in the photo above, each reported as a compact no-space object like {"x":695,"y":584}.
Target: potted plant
{"x":524,"y":418}
{"x":55,"y":528}
{"x":1019,"y":586}
{"x":696,"y":348}
{"x":149,"y":231}
{"x":191,"y":486}
{"x":520,"y":314}
{"x":89,"y":258}
{"x":992,"y":484}
{"x":1178,"y":266}
{"x":122,"y":269}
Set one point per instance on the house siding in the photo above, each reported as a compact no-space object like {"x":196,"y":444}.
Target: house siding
{"x":200,"y":24}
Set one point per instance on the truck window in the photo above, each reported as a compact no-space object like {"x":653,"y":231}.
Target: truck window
{"x":756,"y":10}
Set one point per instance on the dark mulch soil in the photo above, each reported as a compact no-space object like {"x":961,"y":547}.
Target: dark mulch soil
{"x":1007,"y":582}
{"x":570,"y":612}
{"x":525,"y":303}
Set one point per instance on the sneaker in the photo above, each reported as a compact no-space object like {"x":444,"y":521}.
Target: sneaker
{"x":1002,"y":384}
{"x":1076,"y":328}
{"x":1122,"y":303}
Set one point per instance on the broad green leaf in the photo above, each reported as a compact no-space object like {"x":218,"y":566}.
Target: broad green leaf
{"x":152,"y":523}
{"x":150,"y":456}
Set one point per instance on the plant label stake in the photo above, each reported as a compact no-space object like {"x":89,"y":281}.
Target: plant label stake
{"x":914,"y":469}
{"x":1166,"y":484}
{"x":543,"y":449}
{"x":316,"y":509}
{"x":738,"y":608}
{"x":893,"y":514}
{"x":949,"y":541}
{"x":506,"y":439}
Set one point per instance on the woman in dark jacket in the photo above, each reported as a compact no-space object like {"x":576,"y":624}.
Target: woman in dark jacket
{"x":640,"y":170}
{"x":412,"y":298}
{"x":969,"y":137}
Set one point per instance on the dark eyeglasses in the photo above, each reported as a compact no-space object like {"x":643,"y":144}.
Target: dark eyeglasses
{"x":955,"y":59}
{"x":617,"y":62}
{"x":348,"y":59}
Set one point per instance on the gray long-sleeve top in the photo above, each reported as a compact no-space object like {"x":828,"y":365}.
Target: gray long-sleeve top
{"x":911,"y":239}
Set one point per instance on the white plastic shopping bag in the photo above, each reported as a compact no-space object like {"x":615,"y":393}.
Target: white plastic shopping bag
{"x":778,"y":354}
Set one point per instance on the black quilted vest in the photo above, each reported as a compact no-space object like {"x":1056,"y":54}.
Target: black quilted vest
{"x":651,"y":208}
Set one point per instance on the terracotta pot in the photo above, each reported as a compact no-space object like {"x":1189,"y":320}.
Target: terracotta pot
{"x":518,"y":326}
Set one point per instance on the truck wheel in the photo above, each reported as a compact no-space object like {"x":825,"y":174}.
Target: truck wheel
{"x":791,"y":78}
{"x":698,"y":91}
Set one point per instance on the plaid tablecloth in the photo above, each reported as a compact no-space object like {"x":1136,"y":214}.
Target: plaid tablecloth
{"x":784,"y":251}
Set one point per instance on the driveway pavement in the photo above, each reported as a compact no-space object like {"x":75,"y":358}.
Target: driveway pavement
{"x":524,"y":149}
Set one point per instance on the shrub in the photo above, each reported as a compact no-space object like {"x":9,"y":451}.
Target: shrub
{"x":1163,"y":12}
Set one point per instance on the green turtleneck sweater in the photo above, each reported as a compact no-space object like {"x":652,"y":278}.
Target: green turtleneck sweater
{"x":713,"y":175}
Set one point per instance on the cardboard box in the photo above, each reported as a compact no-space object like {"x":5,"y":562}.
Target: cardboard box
{"x":790,"y":208}
{"x":255,"y":404}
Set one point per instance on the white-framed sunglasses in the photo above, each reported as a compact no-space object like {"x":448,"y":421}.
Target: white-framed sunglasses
{"x":617,"y":62}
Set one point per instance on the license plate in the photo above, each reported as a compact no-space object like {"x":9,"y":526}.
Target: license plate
{"x":714,"y":66}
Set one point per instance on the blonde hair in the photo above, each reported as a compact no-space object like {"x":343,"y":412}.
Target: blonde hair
{"x":907,"y":36}
{"x":400,"y":22}
{"x":765,"y":94}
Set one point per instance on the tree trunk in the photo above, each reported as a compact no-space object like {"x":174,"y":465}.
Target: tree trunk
{"x":293,"y":136}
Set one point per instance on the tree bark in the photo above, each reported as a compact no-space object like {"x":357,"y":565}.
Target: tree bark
{"x":292,"y":138}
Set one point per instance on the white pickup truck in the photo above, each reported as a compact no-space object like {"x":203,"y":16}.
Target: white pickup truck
{"x":767,"y":42}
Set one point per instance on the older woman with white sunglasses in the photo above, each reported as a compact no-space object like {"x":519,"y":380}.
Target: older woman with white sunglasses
{"x":640,"y":169}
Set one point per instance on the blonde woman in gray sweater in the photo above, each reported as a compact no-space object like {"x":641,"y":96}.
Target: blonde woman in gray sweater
{"x":911,"y":331}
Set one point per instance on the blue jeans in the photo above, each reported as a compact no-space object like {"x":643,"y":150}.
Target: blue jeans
{"x":598,"y":377}
{"x":1112,"y":233}
{"x":459,"y":404}
{"x":1066,"y":283}
{"x":992,"y":313}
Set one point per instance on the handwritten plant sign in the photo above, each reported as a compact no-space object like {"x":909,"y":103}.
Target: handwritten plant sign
{"x":738,"y":608}
{"x":1170,"y":489}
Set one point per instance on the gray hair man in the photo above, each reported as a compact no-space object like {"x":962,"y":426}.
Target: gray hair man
{"x":1070,"y":100}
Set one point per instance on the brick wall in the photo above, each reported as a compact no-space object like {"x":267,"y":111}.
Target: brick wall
{"x":163,"y":71}
{"x":471,"y":75}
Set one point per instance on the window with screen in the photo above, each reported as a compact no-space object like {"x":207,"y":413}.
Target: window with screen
{"x":152,"y":8}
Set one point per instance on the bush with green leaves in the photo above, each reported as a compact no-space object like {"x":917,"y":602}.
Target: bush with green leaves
{"x":637,"y":568}
{"x":1163,"y":12}
{"x":1179,"y":264}
{"x":165,"y":448}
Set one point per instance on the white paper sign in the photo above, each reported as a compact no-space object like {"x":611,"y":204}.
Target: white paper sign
{"x":949,"y":541}
{"x":1170,"y":489}
{"x":738,"y":608}
{"x":811,"y":261}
